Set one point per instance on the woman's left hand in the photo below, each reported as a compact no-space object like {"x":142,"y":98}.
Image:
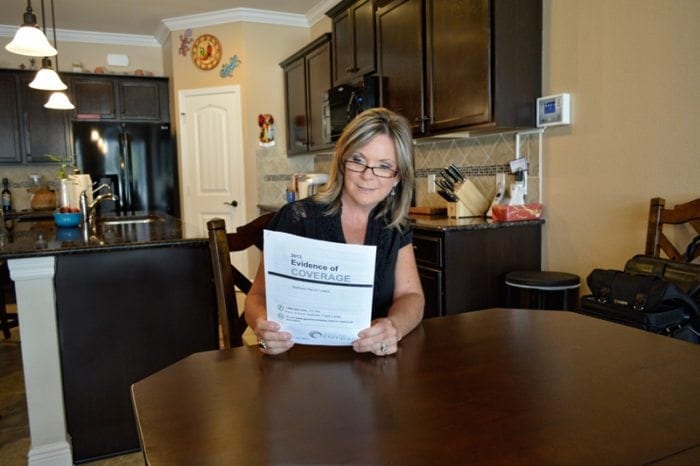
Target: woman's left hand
{"x":382,"y":338}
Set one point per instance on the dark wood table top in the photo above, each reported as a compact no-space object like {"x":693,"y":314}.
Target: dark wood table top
{"x":499,"y":386}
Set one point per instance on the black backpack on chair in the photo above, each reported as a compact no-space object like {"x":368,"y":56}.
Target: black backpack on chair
{"x":654,"y":294}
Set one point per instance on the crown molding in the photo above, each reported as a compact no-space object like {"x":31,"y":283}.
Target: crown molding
{"x":90,"y":37}
{"x":235,"y":15}
{"x":168,"y":25}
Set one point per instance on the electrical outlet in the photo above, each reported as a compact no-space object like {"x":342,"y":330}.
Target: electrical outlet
{"x":431,"y":183}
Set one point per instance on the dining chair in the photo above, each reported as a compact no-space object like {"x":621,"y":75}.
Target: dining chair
{"x":659,"y":215}
{"x":227,"y":277}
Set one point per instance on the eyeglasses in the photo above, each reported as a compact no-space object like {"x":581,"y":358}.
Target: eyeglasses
{"x":359,"y":167}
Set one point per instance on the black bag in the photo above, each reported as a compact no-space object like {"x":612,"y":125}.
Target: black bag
{"x":685,"y":276}
{"x":644,"y":301}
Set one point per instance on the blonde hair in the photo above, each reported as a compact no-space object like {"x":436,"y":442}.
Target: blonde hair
{"x":358,"y":133}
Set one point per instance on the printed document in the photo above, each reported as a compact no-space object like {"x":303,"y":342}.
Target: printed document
{"x":319,"y":291}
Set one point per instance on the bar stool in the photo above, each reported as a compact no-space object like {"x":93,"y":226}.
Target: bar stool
{"x":549,"y":290}
{"x":8,"y":320}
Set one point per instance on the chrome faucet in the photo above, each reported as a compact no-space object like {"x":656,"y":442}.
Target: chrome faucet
{"x":88,"y":208}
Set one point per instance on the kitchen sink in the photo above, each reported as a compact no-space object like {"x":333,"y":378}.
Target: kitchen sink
{"x":131,"y":219}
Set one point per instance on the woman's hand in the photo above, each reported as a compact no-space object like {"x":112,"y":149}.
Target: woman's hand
{"x":270,"y":339}
{"x":381,"y":338}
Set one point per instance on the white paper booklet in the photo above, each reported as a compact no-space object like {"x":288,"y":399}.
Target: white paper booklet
{"x":319,"y":291}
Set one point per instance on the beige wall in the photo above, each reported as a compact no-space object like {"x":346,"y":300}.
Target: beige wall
{"x":91,"y":56}
{"x":632,"y":69}
{"x":260,"y":47}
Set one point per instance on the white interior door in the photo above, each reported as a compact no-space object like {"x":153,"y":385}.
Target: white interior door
{"x":211,"y":157}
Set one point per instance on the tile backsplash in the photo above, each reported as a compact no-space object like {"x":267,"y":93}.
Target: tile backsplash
{"x":19,"y":181}
{"x":477,"y":158}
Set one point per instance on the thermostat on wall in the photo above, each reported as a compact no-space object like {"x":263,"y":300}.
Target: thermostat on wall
{"x":554,"y":110}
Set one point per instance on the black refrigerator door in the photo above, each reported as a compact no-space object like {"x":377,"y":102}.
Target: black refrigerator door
{"x":136,"y":159}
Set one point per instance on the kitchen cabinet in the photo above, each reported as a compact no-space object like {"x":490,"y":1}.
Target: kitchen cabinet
{"x":10,"y":147}
{"x":28,"y":130}
{"x":46,"y":131}
{"x":353,"y":40}
{"x":120,"y":98}
{"x":307,"y":78}
{"x":462,"y":268}
{"x":472,"y":64}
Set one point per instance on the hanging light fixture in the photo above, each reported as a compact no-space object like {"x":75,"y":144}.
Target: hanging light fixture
{"x":29,"y":40}
{"x":57,"y":100}
{"x":47,"y":79}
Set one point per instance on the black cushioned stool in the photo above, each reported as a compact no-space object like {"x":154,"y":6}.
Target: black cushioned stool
{"x":542,"y":290}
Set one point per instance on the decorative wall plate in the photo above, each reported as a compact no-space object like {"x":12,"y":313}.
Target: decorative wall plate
{"x":206,"y":52}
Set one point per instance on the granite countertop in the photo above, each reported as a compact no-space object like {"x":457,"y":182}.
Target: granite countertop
{"x":442,"y":222}
{"x":37,"y":235}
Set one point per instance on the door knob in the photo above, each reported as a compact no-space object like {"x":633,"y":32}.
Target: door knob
{"x":233,"y":203}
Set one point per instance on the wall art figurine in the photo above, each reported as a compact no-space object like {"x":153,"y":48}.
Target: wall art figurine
{"x":227,"y":69}
{"x":185,"y":42}
{"x":267,"y":130}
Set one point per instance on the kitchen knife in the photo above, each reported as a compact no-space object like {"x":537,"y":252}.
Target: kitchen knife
{"x":439,"y":182}
{"x":449,"y":183}
{"x":448,"y":196}
{"x":455,"y":171}
{"x":449,"y":176}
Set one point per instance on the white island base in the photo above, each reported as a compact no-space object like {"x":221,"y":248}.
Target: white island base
{"x":36,"y":308}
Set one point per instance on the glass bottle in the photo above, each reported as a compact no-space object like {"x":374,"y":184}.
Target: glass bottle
{"x":6,"y":196}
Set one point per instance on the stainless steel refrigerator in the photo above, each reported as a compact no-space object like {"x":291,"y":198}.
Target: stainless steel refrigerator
{"x":137,"y":160}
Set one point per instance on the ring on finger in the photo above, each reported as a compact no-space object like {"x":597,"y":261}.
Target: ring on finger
{"x":261,"y":344}
{"x":383,"y":348}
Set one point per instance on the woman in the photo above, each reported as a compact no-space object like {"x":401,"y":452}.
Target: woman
{"x":365,"y":201}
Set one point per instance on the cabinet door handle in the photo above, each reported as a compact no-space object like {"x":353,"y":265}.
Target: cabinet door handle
{"x":27,"y":136}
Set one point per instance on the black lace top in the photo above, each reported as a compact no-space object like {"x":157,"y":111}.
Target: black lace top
{"x":306,"y":218}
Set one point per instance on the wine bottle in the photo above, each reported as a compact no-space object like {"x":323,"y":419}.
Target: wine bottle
{"x":6,"y":196}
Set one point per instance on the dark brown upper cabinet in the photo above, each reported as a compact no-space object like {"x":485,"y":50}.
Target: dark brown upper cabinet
{"x":460,"y":65}
{"x":120,"y":98}
{"x":10,"y":149}
{"x":307,"y":78}
{"x":353,"y":26}
{"x":28,"y":130}
{"x":46,"y":131}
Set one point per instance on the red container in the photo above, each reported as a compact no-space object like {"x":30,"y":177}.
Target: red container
{"x":512,"y":213}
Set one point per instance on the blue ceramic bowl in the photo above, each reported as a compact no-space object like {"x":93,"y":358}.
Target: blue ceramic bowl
{"x":68,"y":219}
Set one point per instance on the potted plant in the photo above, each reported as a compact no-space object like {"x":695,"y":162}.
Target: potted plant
{"x":64,"y":185}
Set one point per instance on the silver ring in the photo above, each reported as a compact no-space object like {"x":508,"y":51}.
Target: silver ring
{"x":261,"y":344}
{"x":383,"y":348}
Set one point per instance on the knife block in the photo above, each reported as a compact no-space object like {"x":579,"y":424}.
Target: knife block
{"x":457,"y":210}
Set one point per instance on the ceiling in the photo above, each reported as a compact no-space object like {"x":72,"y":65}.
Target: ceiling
{"x":151,"y":17}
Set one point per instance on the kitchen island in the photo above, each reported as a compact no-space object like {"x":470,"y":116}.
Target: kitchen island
{"x":100,"y":309}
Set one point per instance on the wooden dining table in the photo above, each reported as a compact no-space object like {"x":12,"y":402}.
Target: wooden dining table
{"x":492,"y":387}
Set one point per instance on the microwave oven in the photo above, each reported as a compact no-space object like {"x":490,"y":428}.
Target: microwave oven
{"x":343,"y":103}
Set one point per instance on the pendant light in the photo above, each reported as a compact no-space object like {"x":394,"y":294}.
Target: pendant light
{"x":57,"y":100}
{"x":47,"y":79}
{"x":29,"y":40}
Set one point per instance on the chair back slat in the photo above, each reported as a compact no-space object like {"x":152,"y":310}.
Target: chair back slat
{"x":657,"y":241}
{"x":227,"y":277}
